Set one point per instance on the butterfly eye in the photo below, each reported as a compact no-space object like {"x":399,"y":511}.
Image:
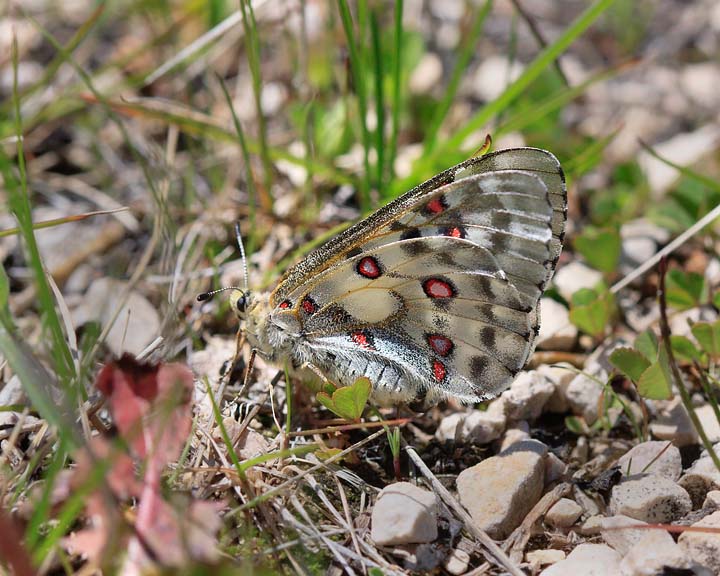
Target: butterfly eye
{"x":239,"y":301}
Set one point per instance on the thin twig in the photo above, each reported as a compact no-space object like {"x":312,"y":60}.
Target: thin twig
{"x":518,"y":540}
{"x":674,"y":245}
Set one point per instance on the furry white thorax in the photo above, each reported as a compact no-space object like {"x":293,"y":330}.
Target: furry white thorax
{"x":275,"y":335}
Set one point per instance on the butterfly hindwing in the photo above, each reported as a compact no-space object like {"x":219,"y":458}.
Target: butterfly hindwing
{"x":438,"y":317}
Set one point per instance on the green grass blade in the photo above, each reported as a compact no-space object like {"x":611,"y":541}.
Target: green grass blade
{"x":19,"y":203}
{"x":252,"y":192}
{"x":543,"y":60}
{"x":377,"y":58}
{"x":54,"y":65}
{"x":466,"y":52}
{"x":704,"y":180}
{"x":42,"y":507}
{"x":357,"y":70}
{"x":550,"y":105}
{"x":397,"y":93}
{"x":253,"y":57}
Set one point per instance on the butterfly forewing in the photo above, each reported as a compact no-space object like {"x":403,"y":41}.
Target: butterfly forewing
{"x":436,"y":294}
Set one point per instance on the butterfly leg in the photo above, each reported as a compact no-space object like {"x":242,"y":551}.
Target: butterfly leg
{"x":318,"y":373}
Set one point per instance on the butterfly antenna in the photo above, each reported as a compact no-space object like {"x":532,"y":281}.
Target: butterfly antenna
{"x":238,"y":237}
{"x":205,"y":296}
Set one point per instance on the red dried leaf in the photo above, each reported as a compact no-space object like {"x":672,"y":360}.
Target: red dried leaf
{"x":150,"y":404}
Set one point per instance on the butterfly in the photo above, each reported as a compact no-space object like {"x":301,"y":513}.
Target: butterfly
{"x":435,"y":295}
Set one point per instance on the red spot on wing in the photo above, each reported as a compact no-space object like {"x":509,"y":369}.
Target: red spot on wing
{"x":439,"y":371}
{"x":363,"y":339}
{"x":369,"y":267}
{"x":436,"y":205}
{"x":454,"y":231}
{"x":440,"y":344}
{"x":308,"y":305}
{"x":285,"y":304}
{"x":437,"y":288}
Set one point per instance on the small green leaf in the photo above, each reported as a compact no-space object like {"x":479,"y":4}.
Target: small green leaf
{"x":708,"y":336}
{"x":685,"y":289}
{"x":716,"y":299}
{"x":600,"y":247}
{"x":654,"y":384}
{"x":591,"y":311}
{"x":684,"y":349}
{"x":647,"y":344}
{"x":326,"y":400}
{"x":584,"y":296}
{"x":630,"y":362}
{"x":348,"y":401}
{"x":332,"y":131}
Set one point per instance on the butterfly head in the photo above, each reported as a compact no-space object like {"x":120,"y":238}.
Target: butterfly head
{"x":268,"y":330}
{"x":242,"y":301}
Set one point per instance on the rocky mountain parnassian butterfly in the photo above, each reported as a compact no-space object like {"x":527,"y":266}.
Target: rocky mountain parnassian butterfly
{"x":435,"y":295}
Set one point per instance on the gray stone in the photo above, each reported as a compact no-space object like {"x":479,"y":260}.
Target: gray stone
{"x":484,"y":426}
{"x":674,"y":424}
{"x":700,"y":479}
{"x":703,"y":547}
{"x":556,"y":330}
{"x":712,"y":500}
{"x":574,"y":276}
{"x":561,"y":377}
{"x":133,"y":328}
{"x":653,"y":457}
{"x":525,"y":398}
{"x":564,"y":513}
{"x":426,"y":74}
{"x":555,"y":469}
{"x":13,"y":393}
{"x":709,"y":422}
{"x":685,"y":149}
{"x":539,"y":558}
{"x":500,"y":491}
{"x":650,"y":498}
{"x":655,"y":553}
{"x":520,"y":432}
{"x":613,"y":530}
{"x":587,"y":560}
{"x":493,"y":75}
{"x":583,"y":394}
{"x":477,"y":426}
{"x":698,"y":82}
{"x":591,"y":526}
{"x":404,"y":514}
{"x":450,"y":427}
{"x":457,"y":562}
